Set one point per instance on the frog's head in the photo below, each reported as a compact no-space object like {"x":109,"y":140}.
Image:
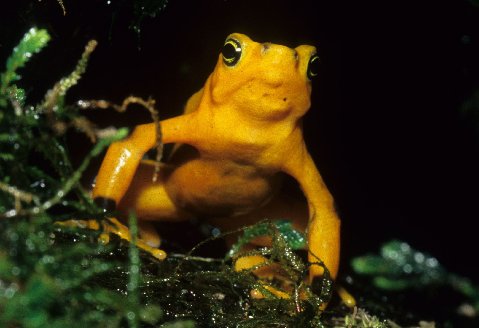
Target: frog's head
{"x":263,"y":80}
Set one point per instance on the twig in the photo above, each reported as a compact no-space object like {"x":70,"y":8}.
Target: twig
{"x":20,"y":196}
{"x":148,"y":104}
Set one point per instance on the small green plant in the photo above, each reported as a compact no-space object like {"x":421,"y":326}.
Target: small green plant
{"x":399,"y":267}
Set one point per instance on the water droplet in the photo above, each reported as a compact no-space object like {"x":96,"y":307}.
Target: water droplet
{"x":407,"y":268}
{"x":432,"y":262}
{"x":215,"y":232}
{"x":13,"y":236}
{"x":405,"y":247}
{"x":48,"y":259}
{"x":16,"y":271}
{"x":419,"y":257}
{"x":11,"y":290}
{"x":30,"y":244}
{"x":349,"y":279}
{"x":135,"y":269}
{"x":10,"y":213}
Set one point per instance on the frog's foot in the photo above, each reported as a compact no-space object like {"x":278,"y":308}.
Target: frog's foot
{"x":257,"y":264}
{"x":147,"y":241}
{"x":268,"y":272}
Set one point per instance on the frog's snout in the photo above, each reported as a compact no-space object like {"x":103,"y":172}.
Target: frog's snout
{"x":280,"y":54}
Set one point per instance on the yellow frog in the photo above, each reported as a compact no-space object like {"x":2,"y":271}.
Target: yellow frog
{"x":237,"y":137}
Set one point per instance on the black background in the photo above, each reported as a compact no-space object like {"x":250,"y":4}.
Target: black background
{"x":386,"y":127}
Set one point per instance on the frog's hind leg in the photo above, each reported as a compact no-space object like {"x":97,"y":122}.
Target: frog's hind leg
{"x":149,"y":201}
{"x":281,"y":207}
{"x":295,"y":210}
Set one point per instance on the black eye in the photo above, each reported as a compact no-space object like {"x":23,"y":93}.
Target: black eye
{"x":231,"y":52}
{"x":313,"y":67}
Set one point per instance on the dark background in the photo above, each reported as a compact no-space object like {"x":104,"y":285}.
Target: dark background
{"x":386,"y":126}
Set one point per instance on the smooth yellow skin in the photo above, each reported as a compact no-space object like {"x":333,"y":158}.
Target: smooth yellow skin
{"x":236,"y":136}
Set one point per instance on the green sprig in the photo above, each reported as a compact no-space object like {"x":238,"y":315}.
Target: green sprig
{"x":56,"y":94}
{"x":32,"y":42}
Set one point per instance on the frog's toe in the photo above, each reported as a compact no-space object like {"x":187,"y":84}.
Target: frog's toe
{"x":257,"y":294}
{"x":155,"y":252}
{"x":148,"y":234}
{"x":346,"y":297}
{"x":148,"y":245}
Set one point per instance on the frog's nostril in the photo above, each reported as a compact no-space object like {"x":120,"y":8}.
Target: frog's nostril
{"x":296,"y":56}
{"x":265,"y":46}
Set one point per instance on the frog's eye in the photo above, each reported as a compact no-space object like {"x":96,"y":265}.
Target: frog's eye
{"x":231,"y":52}
{"x":313,"y":67}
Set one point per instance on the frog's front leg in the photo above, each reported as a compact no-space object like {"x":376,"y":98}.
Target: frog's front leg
{"x":123,"y":158}
{"x":120,"y":168}
{"x":323,"y":229}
